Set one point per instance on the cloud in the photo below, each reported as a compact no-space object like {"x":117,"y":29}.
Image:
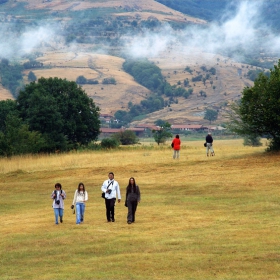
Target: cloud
{"x":238,"y":29}
{"x":13,"y":45}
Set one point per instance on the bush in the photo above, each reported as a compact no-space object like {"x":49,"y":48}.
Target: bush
{"x":81,"y":80}
{"x":126,"y":137}
{"x":109,"y":81}
{"x":109,"y":143}
{"x":252,"y":140}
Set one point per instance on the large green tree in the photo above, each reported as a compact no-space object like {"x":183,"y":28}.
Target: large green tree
{"x":61,"y":111}
{"x":258,"y":111}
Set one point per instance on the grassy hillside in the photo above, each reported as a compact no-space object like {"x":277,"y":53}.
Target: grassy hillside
{"x":198,"y":217}
{"x":111,"y":98}
{"x":92,"y":39}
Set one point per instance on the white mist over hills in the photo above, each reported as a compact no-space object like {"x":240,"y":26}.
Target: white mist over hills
{"x":13,"y":45}
{"x":241,"y":30}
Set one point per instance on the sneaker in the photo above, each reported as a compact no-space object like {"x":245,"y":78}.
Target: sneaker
{"x":113,"y":220}
{"x":61,"y":220}
{"x":129,"y":222}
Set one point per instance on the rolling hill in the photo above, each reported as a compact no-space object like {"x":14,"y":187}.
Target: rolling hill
{"x":103,"y":33}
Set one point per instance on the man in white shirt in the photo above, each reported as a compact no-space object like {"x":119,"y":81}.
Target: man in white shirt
{"x":111,"y":189}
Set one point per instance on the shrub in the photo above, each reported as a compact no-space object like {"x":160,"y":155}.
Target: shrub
{"x":109,"y":143}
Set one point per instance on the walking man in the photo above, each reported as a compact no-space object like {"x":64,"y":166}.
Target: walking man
{"x":111,"y":189}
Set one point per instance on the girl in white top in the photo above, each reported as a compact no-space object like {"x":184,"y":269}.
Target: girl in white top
{"x":80,"y":197}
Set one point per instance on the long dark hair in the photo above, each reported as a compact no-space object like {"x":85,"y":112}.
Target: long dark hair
{"x":81,"y":184}
{"x":130,"y":186}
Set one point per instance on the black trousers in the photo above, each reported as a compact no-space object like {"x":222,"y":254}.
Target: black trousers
{"x":131,"y":206}
{"x":110,"y":208}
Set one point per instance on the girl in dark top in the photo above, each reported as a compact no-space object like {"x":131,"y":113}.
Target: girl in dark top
{"x":132,"y":199}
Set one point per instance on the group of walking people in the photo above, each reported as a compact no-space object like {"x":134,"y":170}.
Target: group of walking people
{"x":110,"y":192}
{"x":176,"y":145}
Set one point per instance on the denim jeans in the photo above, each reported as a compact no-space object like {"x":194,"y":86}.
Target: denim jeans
{"x":58,"y":212}
{"x":80,"y":211}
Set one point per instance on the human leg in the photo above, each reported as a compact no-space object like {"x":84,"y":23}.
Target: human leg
{"x":83,"y":206}
{"x":112,"y":209}
{"x":107,"y":204}
{"x":174,"y":154}
{"x":129,"y":212}
{"x":134,"y":207}
{"x":212,"y":150}
{"x":207,"y":149}
{"x":61,"y":214}
{"x":78,"y":213}
{"x":56,"y":214}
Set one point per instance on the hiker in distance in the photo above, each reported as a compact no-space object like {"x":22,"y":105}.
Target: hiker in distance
{"x":209,"y":144}
{"x":111,"y":190}
{"x":176,"y":144}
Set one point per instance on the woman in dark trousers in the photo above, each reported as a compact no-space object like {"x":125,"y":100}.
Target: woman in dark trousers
{"x":133,"y":197}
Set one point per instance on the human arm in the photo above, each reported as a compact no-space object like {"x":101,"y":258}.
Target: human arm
{"x":63,"y":194}
{"x":104,"y":186}
{"x":118,"y":192}
{"x":86,"y":196}
{"x":53,"y":195}
{"x":75,"y":198}
{"x":138,"y":194}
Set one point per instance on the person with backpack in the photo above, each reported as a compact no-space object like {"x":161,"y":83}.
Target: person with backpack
{"x":209,"y":144}
{"x":80,"y":198}
{"x":176,"y":144}
{"x":58,"y":196}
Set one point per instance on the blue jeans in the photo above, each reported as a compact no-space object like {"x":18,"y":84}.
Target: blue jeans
{"x":58,"y":212}
{"x":80,"y":211}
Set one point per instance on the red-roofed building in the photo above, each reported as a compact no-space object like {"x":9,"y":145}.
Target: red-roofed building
{"x":105,"y":132}
{"x":187,"y":127}
{"x":148,"y":126}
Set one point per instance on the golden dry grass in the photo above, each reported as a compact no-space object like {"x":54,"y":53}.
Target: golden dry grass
{"x":5,"y":94}
{"x":110,"y":98}
{"x":199,"y":218}
{"x":142,"y":8}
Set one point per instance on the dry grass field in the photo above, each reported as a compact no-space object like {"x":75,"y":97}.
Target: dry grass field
{"x":199,"y":218}
{"x":5,"y":94}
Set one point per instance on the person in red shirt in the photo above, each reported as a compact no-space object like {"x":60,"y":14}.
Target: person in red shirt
{"x":176,"y":143}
